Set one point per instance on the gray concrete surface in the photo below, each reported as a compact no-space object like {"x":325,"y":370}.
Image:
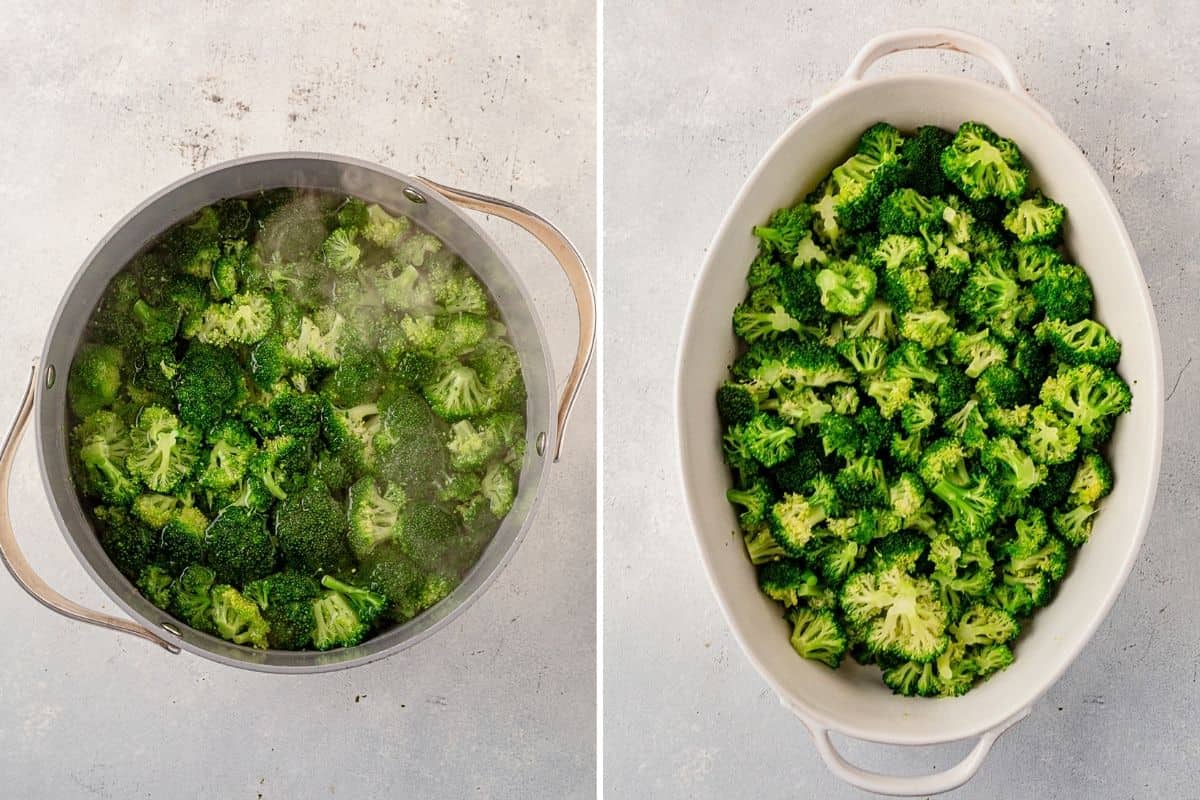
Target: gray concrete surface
{"x":695,"y":93}
{"x":103,"y":107}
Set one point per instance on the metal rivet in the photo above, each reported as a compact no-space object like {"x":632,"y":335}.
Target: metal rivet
{"x":170,"y":627}
{"x":539,"y":443}
{"x":414,"y":195}
{"x":50,"y":374}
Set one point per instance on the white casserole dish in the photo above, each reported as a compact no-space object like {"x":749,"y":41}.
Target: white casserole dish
{"x":852,"y":700}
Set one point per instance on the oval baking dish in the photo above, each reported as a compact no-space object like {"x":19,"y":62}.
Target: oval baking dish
{"x":850,"y":701}
{"x":435,"y":208}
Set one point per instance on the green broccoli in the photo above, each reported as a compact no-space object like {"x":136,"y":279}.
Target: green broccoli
{"x":311,"y":529}
{"x":375,"y":518}
{"x":285,"y":601}
{"x":183,"y":537}
{"x":237,"y":618}
{"x":163,"y":452}
{"x":154,"y":583}
{"x":95,"y":378}
{"x":817,"y":634}
{"x":1063,"y":292}
{"x":982,"y":164}
{"x":1035,"y":220}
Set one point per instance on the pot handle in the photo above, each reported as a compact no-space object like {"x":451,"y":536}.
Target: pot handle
{"x":18,"y":565}
{"x":572,"y":265}
{"x":941,"y":39}
{"x":906,"y":785}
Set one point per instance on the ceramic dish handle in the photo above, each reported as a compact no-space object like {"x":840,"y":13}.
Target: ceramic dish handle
{"x":940,"y":39}
{"x":906,"y":785}
{"x":572,"y":265}
{"x":14,"y":559}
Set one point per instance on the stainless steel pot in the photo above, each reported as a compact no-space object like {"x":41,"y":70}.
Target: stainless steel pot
{"x":437,"y":208}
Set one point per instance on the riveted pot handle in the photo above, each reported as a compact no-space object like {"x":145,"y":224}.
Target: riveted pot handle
{"x":18,"y":565}
{"x":906,"y":785}
{"x":572,"y":265}
{"x":941,"y":39}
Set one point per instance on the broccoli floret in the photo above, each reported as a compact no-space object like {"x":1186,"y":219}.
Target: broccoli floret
{"x":193,"y":246}
{"x":1049,"y":439}
{"x":910,"y":360}
{"x":891,"y":394}
{"x":878,"y":321}
{"x":237,"y":618}
{"x":403,"y":288}
{"x":311,"y":528}
{"x":1011,"y":467}
{"x":920,"y":159}
{"x":754,"y":500}
{"x":245,"y":319}
{"x":285,"y":600}
{"x":785,"y":229}
{"x":1093,"y":480}
{"x":920,"y":414}
{"x":154,"y":325}
{"x":457,"y":392}
{"x":1074,"y":524}
{"x":95,"y":378}
{"x":156,"y":510}
{"x":1035,"y":220}
{"x":973,"y":501}
{"x":191,"y":597}
{"x":408,"y":443}
{"x":470,"y":446}
{"x":427,"y":533}
{"x":1085,"y":342}
{"x":401,"y":583}
{"x":840,"y":435}
{"x":1063,"y":292}
{"x":977,"y":351}
{"x":904,"y":210}
{"x":298,"y":415}
{"x":416,"y":249}
{"x":863,"y":180}
{"x":763,"y":315}
{"x":183,"y":537}
{"x":736,"y":403}
{"x":382,"y":229}
{"x":818,"y":635}
{"x":279,"y":466}
{"x":1087,"y":396}
{"x":209,"y":384}
{"x":340,"y":252}
{"x":230,"y":449}
{"x":865,"y":353}
{"x":102,"y":445}
{"x":163,"y":452}
{"x":792,"y":520}
{"x":930,"y":328}
{"x":982,"y":165}
{"x":129,"y":544}
{"x":318,"y":344}
{"x":1033,"y":260}
{"x":375,"y":517}
{"x":900,"y":613}
{"x":847,"y":287}
{"x":862,"y":482}
{"x":238,"y":547}
{"x":907,"y":495}
{"x":367,"y":605}
{"x":992,"y":298}
{"x":154,"y":583}
{"x":499,"y":488}
{"x":766,"y":438}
